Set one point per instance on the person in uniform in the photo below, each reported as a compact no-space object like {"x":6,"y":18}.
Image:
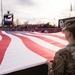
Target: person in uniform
{"x":64,"y":59}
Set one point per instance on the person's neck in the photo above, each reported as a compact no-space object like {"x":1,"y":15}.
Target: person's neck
{"x":72,"y":41}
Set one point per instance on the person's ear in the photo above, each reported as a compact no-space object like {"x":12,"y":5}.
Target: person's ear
{"x":68,"y":34}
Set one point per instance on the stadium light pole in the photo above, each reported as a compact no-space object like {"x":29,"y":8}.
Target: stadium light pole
{"x":1,"y":13}
{"x":70,"y":7}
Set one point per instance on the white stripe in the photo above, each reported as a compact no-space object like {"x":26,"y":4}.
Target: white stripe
{"x":57,"y":39}
{"x":0,"y":37}
{"x":60,"y":34}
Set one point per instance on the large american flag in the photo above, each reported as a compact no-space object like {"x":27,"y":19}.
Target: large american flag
{"x":22,"y":50}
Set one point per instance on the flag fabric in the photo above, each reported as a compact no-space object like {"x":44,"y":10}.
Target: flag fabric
{"x":9,"y":16}
{"x":22,"y":50}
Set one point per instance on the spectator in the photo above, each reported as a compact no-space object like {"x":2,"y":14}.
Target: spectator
{"x":46,"y":31}
{"x":42,"y":30}
{"x":64,"y":60}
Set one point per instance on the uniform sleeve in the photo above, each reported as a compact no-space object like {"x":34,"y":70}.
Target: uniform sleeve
{"x":58,"y":64}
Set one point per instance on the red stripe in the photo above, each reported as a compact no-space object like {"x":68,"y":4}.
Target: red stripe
{"x":4,"y":43}
{"x":50,"y":40}
{"x":58,"y":36}
{"x":42,"y":51}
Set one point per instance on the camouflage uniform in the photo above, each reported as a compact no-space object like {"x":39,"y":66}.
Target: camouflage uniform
{"x":64,"y":61}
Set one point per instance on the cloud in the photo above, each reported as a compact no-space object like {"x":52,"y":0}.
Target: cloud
{"x":43,"y":10}
{"x":25,"y":2}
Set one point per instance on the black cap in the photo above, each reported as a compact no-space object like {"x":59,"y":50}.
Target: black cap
{"x":69,"y":25}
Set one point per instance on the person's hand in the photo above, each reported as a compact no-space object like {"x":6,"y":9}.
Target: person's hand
{"x":49,"y":67}
{"x":49,"y":64}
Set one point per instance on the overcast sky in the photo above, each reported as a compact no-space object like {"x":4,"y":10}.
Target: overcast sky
{"x":36,"y":11}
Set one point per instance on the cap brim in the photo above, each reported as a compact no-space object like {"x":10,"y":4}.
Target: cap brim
{"x":63,"y":28}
